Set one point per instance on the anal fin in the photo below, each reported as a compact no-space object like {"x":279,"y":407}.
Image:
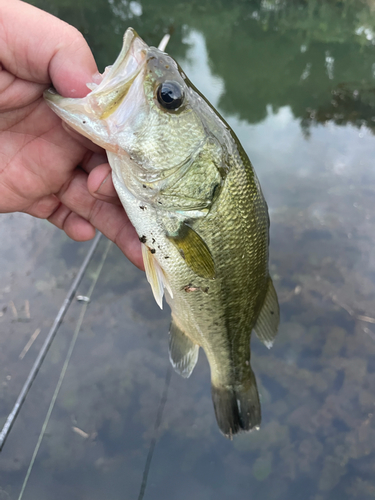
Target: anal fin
{"x":183,"y":353}
{"x":269,"y":317}
{"x":155,"y":276}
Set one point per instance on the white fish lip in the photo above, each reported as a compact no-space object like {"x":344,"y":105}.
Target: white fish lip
{"x":133,"y":46}
{"x":86,"y":115}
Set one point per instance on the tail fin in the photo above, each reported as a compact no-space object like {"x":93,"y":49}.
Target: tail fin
{"x":237,"y":407}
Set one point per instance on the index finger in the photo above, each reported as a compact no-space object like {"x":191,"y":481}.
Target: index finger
{"x":39,"y":47}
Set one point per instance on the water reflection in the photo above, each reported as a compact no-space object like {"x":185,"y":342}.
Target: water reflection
{"x":270,"y":68}
{"x":265,"y":53}
{"x":349,"y":103}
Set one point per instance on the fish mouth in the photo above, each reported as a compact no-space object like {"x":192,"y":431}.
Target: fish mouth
{"x":89,"y":115}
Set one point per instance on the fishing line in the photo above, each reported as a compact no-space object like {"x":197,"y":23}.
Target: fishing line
{"x":65,"y":366}
{"x":158,"y":420}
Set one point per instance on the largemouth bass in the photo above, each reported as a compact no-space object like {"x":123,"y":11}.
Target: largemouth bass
{"x":191,"y":192}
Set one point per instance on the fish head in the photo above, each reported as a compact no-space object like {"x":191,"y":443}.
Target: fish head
{"x":96,"y":116}
{"x":144,"y":111}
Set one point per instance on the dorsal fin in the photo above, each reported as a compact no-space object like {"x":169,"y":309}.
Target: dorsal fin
{"x":155,"y":276}
{"x":183,"y":353}
{"x":268,"y":319}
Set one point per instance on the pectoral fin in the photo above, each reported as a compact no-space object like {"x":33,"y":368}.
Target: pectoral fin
{"x":183,"y":353}
{"x":194,"y":251}
{"x":268,"y":319}
{"x":155,"y":276}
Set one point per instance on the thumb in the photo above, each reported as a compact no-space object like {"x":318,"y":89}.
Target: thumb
{"x":38,"y":47}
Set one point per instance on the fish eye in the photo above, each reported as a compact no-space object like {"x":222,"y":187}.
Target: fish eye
{"x":170,"y":95}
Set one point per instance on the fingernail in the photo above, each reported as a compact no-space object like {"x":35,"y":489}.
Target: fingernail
{"x":102,"y":188}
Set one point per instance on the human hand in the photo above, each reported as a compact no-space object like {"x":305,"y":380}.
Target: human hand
{"x":45,"y":170}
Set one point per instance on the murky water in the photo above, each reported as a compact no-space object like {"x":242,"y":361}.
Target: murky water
{"x":297,"y":85}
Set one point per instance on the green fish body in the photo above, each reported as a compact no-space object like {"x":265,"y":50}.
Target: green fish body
{"x":194,"y":199}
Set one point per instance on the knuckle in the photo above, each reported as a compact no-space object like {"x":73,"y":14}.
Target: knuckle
{"x":76,"y":38}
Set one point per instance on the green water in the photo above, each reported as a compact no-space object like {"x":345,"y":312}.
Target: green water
{"x":296,"y":81}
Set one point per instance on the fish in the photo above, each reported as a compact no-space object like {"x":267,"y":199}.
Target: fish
{"x":192,"y":194}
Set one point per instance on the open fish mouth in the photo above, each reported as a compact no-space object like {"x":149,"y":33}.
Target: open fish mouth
{"x":89,"y":115}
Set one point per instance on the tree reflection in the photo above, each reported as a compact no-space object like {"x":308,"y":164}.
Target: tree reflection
{"x":270,"y":52}
{"x":350,"y":103}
